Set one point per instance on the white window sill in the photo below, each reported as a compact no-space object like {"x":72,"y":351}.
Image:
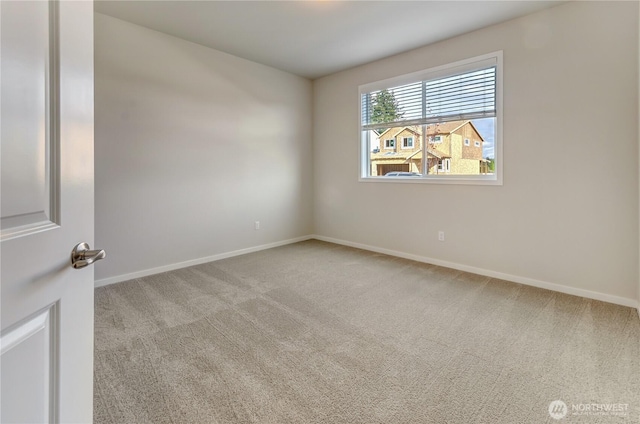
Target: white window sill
{"x":440,"y":179}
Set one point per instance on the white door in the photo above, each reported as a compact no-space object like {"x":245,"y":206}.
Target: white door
{"x":46,"y":150}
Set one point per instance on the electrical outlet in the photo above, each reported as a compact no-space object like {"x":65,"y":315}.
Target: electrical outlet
{"x":440,"y":235}
{"x":257,"y":225}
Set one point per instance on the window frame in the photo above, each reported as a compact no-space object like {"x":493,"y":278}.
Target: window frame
{"x":444,"y":165}
{"x":391,"y":145}
{"x":403,"y":143}
{"x":442,"y":71}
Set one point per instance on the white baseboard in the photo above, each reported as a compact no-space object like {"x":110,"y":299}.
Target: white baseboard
{"x":633,"y":303}
{"x":192,"y":262}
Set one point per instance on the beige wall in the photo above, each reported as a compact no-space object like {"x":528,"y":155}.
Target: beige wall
{"x":570,"y":90}
{"x":192,"y":146}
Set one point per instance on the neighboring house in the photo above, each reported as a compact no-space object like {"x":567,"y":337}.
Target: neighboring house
{"x":453,"y":148}
{"x":395,"y":150}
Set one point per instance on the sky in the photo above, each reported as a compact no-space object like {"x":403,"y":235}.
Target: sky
{"x":486,"y":128}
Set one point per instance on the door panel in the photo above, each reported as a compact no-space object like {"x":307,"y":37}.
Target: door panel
{"x":28,"y":363}
{"x":29,"y":41}
{"x":46,"y":340}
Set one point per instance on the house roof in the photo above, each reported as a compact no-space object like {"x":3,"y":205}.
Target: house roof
{"x":432,"y":153}
{"x":406,"y":128}
{"x":443,"y":128}
{"x":391,"y":155}
{"x":403,"y":157}
{"x":395,"y":131}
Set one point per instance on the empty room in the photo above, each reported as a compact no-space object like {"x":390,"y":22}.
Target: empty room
{"x":320,"y":212}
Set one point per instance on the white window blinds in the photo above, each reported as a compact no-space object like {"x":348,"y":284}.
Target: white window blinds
{"x":460,"y":96}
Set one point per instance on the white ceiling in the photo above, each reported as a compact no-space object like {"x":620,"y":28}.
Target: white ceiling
{"x":316,"y":38}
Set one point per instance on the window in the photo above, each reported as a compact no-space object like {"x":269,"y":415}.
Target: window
{"x":389,"y":144}
{"x":444,"y":165}
{"x":407,"y":143}
{"x":443,"y":107}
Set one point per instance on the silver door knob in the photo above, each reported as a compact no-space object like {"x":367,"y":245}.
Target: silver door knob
{"x":81,"y":256}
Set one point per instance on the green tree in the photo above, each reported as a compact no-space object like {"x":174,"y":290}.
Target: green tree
{"x":384,"y":108}
{"x":491,"y":164}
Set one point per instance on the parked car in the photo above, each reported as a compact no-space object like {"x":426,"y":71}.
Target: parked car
{"x":401,"y":174}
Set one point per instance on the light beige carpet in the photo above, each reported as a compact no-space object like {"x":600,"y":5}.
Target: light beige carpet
{"x":320,"y":333}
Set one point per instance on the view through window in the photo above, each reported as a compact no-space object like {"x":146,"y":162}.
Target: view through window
{"x":437,"y":124}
